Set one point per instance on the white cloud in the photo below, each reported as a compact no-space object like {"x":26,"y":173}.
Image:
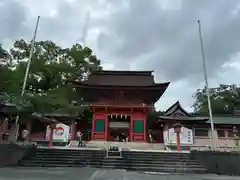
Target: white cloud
{"x":140,"y":35}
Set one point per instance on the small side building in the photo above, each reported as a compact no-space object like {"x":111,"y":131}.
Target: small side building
{"x":226,"y":127}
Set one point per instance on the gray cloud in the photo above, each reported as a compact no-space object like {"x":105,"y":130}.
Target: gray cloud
{"x":170,"y":37}
{"x":12,"y":18}
{"x":138,"y":34}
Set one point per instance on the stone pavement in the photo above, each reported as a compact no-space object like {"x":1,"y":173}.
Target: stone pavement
{"x":96,"y":174}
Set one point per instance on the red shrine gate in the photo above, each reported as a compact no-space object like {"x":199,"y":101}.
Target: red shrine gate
{"x":137,"y":125}
{"x":128,"y":94}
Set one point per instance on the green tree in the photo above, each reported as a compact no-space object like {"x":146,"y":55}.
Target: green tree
{"x":6,"y":74}
{"x":225,"y":99}
{"x":4,"y":55}
{"x":52,"y":66}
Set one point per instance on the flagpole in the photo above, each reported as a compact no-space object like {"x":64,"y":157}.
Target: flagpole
{"x":206,"y":83}
{"x":85,"y":29}
{"x":27,"y":68}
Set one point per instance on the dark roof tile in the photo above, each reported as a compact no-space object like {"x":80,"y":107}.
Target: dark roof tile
{"x":121,"y":78}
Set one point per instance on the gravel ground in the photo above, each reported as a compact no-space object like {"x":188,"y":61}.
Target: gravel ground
{"x":97,"y":174}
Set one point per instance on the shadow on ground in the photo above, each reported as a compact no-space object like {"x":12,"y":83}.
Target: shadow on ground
{"x":97,"y":174}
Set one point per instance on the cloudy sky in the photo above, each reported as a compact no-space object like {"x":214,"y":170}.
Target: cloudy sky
{"x":159,"y":35}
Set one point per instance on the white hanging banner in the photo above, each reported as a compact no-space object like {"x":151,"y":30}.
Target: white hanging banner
{"x":186,"y":136}
{"x":61,"y":133}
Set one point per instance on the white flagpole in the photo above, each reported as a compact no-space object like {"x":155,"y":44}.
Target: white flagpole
{"x":27,"y":68}
{"x":85,"y":29}
{"x":206,"y":83}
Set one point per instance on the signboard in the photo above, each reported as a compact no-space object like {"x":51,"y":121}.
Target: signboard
{"x":61,"y":133}
{"x":186,"y":136}
{"x":118,"y":124}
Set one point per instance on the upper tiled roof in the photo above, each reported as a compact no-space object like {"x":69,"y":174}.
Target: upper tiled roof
{"x":121,"y":78}
{"x":177,"y":110}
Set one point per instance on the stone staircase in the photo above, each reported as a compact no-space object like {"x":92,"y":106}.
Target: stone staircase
{"x":45,"y":157}
{"x":124,"y":145}
{"x":162,"y":162}
{"x":129,"y":160}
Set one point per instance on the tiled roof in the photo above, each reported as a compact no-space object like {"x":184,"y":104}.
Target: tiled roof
{"x":176,"y":112}
{"x":216,"y":119}
{"x":183,"y":118}
{"x":176,"y":109}
{"x":225,"y":120}
{"x":121,"y":78}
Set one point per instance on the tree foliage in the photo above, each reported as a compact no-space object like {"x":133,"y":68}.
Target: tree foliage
{"x":51,"y":67}
{"x":225,"y":99}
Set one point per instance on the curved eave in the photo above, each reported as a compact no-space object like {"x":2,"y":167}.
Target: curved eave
{"x":182,"y":118}
{"x":42,"y":118}
{"x":162,"y":86}
{"x":118,"y":72}
{"x":177,"y":106}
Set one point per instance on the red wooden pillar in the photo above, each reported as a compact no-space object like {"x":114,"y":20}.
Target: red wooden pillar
{"x":178,"y":142}
{"x":131,"y":128}
{"x":50,"y":137}
{"x":93,"y":126}
{"x":72,"y":131}
{"x":145,"y":130}
{"x":106,"y":127}
{"x":103,"y":134}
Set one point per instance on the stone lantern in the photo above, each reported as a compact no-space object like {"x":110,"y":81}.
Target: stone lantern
{"x":177,"y":130}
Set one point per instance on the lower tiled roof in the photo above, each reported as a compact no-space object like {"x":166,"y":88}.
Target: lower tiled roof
{"x":216,"y":119}
{"x":225,"y":120}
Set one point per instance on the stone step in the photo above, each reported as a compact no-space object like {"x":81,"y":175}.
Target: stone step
{"x":153,"y":162}
{"x":157,"y":157}
{"x":66,"y":159}
{"x":162,"y":164}
{"x":143,"y":159}
{"x":68,"y":151}
{"x":150,"y":167}
{"x":153,"y":153}
{"x":80,"y":161}
{"x":140,"y":161}
{"x":68,"y":154}
{"x":135,"y":168}
{"x":161,"y":160}
{"x":168,"y":169}
{"x":65,"y":149}
{"x":117,"y":163}
{"x":30,"y":164}
{"x":133,"y":158}
{"x":74,"y":154}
